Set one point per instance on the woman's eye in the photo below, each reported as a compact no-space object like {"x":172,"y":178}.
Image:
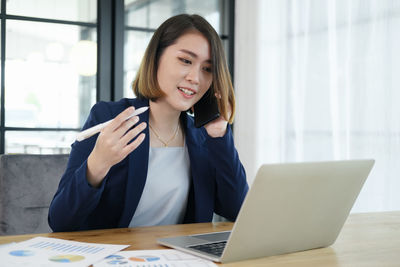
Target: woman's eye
{"x":208,"y":69}
{"x":186,"y":61}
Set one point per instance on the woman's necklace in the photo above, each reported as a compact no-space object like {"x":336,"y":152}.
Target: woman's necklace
{"x":165,"y":143}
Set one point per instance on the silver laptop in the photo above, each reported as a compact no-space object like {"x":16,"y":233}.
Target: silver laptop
{"x":289,"y":207}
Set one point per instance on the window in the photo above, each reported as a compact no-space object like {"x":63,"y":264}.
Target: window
{"x":49,"y":78}
{"x":58,"y":57}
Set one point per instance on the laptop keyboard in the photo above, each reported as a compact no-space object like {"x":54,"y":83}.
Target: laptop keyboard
{"x":211,"y":248}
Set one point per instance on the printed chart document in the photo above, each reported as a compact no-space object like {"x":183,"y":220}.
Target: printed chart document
{"x":44,"y":251}
{"x":153,"y":258}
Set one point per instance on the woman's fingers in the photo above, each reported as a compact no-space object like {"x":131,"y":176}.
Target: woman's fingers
{"x":119,"y":120}
{"x":131,"y":134}
{"x":114,"y":138}
{"x":133,"y":145}
{"x":120,"y":126}
{"x":125,"y":126}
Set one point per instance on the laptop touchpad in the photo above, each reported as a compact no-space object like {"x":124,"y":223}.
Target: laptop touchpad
{"x":213,"y":237}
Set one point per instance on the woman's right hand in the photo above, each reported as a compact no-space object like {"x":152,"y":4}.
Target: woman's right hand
{"x":112,"y":145}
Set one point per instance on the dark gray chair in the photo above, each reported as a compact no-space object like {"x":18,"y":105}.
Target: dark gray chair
{"x":27,"y":186}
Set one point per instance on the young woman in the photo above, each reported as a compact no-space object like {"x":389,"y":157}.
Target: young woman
{"x":157,"y":168}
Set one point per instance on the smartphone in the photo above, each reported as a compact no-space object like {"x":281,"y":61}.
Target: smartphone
{"x":206,"y":109}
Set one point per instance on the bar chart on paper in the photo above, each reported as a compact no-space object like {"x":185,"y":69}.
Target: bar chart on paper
{"x":153,"y":258}
{"x":42,"y":251}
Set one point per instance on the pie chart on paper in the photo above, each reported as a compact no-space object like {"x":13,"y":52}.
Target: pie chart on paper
{"x":22,"y":253}
{"x":67,"y":258}
{"x":144,"y":258}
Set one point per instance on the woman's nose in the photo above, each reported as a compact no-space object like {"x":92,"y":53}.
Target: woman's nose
{"x":193,"y":75}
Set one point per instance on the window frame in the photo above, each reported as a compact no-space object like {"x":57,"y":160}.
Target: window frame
{"x":110,"y":53}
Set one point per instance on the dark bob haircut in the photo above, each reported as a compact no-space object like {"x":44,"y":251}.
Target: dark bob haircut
{"x":146,"y":85}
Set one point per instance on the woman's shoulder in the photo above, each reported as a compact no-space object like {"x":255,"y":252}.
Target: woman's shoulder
{"x":113,"y":108}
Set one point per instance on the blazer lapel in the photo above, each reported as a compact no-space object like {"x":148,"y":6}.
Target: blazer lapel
{"x":137,"y":171}
{"x":199,"y":201}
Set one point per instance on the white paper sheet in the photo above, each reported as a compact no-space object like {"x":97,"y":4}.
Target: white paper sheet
{"x":44,"y":251}
{"x":153,"y":258}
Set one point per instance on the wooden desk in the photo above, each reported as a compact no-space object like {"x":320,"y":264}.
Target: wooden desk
{"x":367,"y":239}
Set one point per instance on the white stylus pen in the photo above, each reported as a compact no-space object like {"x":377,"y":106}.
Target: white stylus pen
{"x":96,"y":129}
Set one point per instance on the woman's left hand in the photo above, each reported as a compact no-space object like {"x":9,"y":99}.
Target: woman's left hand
{"x":217,"y":127}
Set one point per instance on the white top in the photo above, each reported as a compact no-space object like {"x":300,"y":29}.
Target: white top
{"x":165,"y":193}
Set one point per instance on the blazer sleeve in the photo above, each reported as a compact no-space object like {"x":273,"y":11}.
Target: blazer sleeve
{"x":231,"y":183}
{"x":75,"y":198}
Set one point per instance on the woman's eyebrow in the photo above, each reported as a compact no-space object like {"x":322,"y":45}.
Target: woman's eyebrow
{"x":193,"y":54}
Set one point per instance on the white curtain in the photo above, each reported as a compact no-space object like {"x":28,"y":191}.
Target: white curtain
{"x":320,"y":80}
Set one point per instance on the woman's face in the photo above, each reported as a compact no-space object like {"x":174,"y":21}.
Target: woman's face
{"x":184,"y":71}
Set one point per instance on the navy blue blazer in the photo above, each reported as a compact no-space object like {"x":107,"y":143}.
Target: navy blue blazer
{"x":218,"y":179}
